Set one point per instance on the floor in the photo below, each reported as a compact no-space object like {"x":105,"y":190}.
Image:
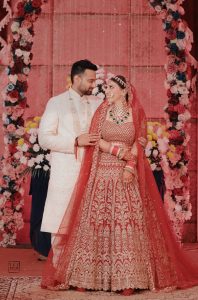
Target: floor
{"x":20,"y":275}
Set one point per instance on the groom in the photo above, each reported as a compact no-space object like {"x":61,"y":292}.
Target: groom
{"x":64,"y":130}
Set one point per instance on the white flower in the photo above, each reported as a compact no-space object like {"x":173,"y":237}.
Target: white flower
{"x":163,"y":145}
{"x":48,"y":156}
{"x":26,"y":70}
{"x":188,"y":215}
{"x":23,"y":160}
{"x":7,"y":194}
{"x":155,"y":153}
{"x":101,"y":96}
{"x":36,"y":148}
{"x":39,"y":158}
{"x":21,"y":191}
{"x":158,"y":8}
{"x":183,"y":99}
{"x":109,"y":75}
{"x":153,"y":166}
{"x":179,"y":125}
{"x":24,"y":147}
{"x":174,"y":89}
{"x":18,"y":207}
{"x":46,"y":168}
{"x":13,"y":78}
{"x":159,"y":131}
{"x":31,"y":162}
{"x":15,"y":26}
{"x":95,"y":90}
{"x":18,"y":52}
{"x":33,"y":131}
{"x":147,"y":152}
{"x":32,"y":139}
{"x":99,"y":81}
{"x":183,"y":90}
{"x":178,"y":207}
{"x":38,"y":167}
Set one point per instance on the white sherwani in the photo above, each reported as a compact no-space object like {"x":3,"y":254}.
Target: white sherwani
{"x":66,"y":116}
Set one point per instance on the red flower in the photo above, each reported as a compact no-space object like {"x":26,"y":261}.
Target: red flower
{"x":180,"y":108}
{"x":179,"y":149}
{"x":172,"y":68}
{"x":20,"y":12}
{"x":178,"y":191}
{"x":174,"y":24}
{"x":23,"y":104}
{"x":169,"y":94}
{"x":36,"y":3}
{"x":173,"y":134}
{"x":185,"y":179}
{"x":8,"y":204}
{"x":14,"y":94}
{"x":171,"y":34}
{"x":17,"y":198}
{"x":171,"y":108}
{"x":20,"y":5}
{"x":12,"y":148}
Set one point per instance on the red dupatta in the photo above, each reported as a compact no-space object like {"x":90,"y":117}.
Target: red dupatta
{"x":59,"y":258}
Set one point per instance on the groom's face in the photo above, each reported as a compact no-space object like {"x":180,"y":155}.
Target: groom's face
{"x":87,"y":82}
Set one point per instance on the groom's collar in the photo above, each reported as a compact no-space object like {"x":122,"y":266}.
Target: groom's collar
{"x":75,"y":95}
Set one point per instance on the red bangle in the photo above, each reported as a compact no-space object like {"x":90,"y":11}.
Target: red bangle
{"x":115,"y":150}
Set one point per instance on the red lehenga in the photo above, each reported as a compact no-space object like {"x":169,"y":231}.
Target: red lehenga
{"x":112,"y":236}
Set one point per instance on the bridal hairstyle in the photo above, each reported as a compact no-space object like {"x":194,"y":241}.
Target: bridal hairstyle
{"x":122,"y":83}
{"x":80,"y":66}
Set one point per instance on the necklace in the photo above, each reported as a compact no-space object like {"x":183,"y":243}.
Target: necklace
{"x":119,"y":115}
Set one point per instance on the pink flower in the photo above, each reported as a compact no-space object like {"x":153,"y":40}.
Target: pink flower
{"x":20,"y":131}
{"x":171,"y":59}
{"x":174,"y":24}
{"x":179,"y":108}
{"x":182,"y":67}
{"x":8,"y":110}
{"x":171,"y":34}
{"x":26,"y":24}
{"x":11,"y":128}
{"x":7,"y":210}
{"x":172,"y":68}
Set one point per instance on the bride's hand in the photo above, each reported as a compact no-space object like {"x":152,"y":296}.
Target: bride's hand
{"x":127,"y":177}
{"x":104,"y":146}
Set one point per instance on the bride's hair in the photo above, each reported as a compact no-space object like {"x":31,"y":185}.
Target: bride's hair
{"x":121,"y":82}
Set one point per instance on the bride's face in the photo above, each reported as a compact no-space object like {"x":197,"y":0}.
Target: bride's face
{"x":113,"y":92}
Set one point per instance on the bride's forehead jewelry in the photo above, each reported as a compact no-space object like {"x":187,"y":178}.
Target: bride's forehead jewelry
{"x":118,"y":79}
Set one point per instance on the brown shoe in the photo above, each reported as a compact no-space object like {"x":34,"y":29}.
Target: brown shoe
{"x":127,"y":292}
{"x":80,"y":289}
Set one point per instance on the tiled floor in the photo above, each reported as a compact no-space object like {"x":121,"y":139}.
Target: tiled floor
{"x":20,"y":273}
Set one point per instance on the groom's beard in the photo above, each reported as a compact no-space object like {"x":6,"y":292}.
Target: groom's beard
{"x":89,"y":92}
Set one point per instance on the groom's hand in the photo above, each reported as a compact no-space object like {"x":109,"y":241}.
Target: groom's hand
{"x":88,"y":139}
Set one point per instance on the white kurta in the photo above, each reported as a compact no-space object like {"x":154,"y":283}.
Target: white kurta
{"x":57,"y":132}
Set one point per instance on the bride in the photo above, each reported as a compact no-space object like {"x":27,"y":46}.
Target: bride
{"x":115,"y":235}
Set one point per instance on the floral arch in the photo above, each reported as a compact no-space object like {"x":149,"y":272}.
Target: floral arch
{"x":180,"y":80}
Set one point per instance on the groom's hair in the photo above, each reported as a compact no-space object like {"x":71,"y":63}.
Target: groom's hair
{"x":80,"y":66}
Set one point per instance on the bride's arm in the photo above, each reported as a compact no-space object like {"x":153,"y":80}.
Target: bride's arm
{"x":104,"y":146}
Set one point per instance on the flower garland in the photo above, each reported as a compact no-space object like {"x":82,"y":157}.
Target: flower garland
{"x":11,"y":192}
{"x":157,"y":144}
{"x":30,"y":154}
{"x":179,"y":84}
